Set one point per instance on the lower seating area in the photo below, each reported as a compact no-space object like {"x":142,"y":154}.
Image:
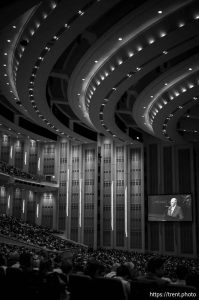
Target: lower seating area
{"x":39,"y":274}
{"x":62,"y":270}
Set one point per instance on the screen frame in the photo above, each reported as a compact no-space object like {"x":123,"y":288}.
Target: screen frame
{"x":171,"y":195}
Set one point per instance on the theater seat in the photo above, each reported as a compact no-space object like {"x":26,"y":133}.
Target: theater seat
{"x":142,"y":289}
{"x":107,"y":289}
{"x":80,"y":287}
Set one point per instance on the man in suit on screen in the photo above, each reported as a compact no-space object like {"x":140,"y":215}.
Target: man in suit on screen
{"x":174,"y":211}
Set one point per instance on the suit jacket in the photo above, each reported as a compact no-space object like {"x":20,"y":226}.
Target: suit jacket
{"x":177,"y":213}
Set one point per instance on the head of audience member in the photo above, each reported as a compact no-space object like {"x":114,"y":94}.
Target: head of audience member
{"x":2,"y":260}
{"x":35,"y":262}
{"x":124,"y":272}
{"x":66,"y":266}
{"x":46,"y":265}
{"x":94,"y":268}
{"x":181,"y":272}
{"x":78,"y":268}
{"x":25,"y":260}
{"x":132,"y":270}
{"x":13,"y":259}
{"x":115,"y":266}
{"x":155,"y":266}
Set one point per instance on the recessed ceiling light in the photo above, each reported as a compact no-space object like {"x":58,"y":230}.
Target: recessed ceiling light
{"x":190,"y":69}
{"x":14,"y":26}
{"x":130,"y":54}
{"x":162,"y":34}
{"x":80,"y":12}
{"x":151,"y":41}
{"x":159,"y":11}
{"x":164,"y":52}
{"x":96,"y":61}
{"x":120,"y":38}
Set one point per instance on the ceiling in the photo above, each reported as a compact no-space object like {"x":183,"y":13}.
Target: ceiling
{"x":119,"y":68}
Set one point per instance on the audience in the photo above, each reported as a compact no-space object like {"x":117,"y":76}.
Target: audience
{"x":33,"y":234}
{"x":181,"y":274}
{"x":41,"y":274}
{"x":13,"y":171}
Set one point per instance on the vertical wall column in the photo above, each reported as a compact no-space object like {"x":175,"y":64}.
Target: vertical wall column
{"x":55,"y":210}
{"x":40,"y":159}
{"x":81,"y":198}
{"x":11,"y":160}
{"x":38,"y":213}
{"x":113,"y":196}
{"x":153,"y":188}
{"x":26,"y":155}
{"x":57,"y":161}
{"x":126,"y":201}
{"x":24,"y":196}
{"x":10,"y":195}
{"x":68,"y":190}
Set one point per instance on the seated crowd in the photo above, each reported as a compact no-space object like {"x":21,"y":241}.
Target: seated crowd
{"x":80,"y":272}
{"x":33,"y":234}
{"x":13,"y":171}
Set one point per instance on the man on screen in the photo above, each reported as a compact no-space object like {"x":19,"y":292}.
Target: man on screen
{"x":174,"y":211}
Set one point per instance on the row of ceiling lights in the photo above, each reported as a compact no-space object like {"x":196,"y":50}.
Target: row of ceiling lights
{"x":37,"y":65}
{"x":80,"y":12}
{"x":32,"y":32}
{"x":119,"y":61}
{"x":112,"y":68}
{"x":14,"y":94}
{"x":15,"y":62}
{"x":161,"y":102}
{"x":172,"y":115}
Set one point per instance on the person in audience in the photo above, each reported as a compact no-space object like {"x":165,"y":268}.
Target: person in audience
{"x":13,"y":260}
{"x":181,"y":275}
{"x":124,"y":275}
{"x":155,"y":270}
{"x":113,"y":272}
{"x":132,"y":270}
{"x":94,"y":268}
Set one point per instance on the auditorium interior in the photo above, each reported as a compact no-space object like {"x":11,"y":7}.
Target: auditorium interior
{"x":98,"y":111}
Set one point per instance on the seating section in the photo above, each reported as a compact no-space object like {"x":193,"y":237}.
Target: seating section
{"x":12,"y":171}
{"x":84,"y":273}
{"x":33,"y":234}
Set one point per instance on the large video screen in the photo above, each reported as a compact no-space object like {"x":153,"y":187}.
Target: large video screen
{"x":170,"y":207}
